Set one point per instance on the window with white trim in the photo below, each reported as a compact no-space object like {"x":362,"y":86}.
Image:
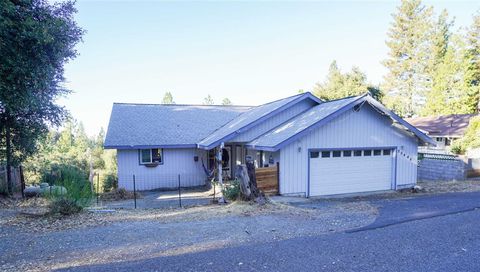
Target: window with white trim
{"x":148,"y":156}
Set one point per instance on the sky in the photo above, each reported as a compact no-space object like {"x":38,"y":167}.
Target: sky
{"x":250,"y":52}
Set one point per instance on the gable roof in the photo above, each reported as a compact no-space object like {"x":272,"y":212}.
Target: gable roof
{"x":320,"y":115}
{"x":157,"y":125}
{"x":252,"y":117}
{"x":453,"y":125}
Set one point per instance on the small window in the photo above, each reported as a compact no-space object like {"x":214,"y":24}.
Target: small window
{"x":357,"y":153}
{"x":386,"y":152}
{"x":151,"y":156}
{"x":347,"y":153}
{"x":377,"y":152}
{"x":367,"y":153}
{"x":439,"y":139}
{"x":314,"y":154}
{"x":325,"y":154}
{"x":336,"y":154}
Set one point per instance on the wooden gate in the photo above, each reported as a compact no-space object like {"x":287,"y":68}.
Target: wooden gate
{"x":267,"y":179}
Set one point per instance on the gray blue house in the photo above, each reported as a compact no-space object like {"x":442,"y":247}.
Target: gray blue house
{"x":348,"y":145}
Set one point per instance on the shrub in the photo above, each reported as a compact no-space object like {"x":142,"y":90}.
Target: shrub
{"x":64,"y":206}
{"x":109,"y":182}
{"x":232,"y":191}
{"x":119,"y":194}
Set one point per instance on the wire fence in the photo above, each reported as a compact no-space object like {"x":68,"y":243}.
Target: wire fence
{"x":158,"y":191}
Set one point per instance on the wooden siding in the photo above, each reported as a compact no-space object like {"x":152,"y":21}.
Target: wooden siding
{"x":267,"y":180}
{"x":365,"y":128}
{"x":175,"y":162}
{"x":273,"y":122}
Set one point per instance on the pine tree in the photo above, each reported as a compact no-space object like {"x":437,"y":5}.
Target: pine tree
{"x":473,"y":58}
{"x":339,"y":85}
{"x":408,"y":40}
{"x":168,"y":98}
{"x":208,"y":100}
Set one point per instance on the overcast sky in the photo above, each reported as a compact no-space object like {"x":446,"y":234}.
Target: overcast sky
{"x":250,"y":52}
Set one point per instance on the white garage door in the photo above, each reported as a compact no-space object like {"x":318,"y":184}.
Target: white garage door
{"x":350,"y":171}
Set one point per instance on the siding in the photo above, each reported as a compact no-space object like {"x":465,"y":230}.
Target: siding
{"x":274,"y":121}
{"x":365,"y":128}
{"x":175,"y":162}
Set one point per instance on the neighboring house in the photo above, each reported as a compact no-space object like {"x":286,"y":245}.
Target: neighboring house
{"x":443,"y":129}
{"x":348,"y":145}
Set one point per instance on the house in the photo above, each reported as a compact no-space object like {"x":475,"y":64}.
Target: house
{"x":443,"y":129}
{"x":343,"y":146}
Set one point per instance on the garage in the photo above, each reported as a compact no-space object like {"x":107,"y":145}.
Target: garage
{"x":350,"y":171}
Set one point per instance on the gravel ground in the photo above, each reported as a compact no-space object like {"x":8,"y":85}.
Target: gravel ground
{"x":46,"y":243}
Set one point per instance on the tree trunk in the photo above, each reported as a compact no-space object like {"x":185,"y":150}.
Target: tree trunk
{"x":8,"y":145}
{"x":253,"y":179}
{"x":241,"y":174}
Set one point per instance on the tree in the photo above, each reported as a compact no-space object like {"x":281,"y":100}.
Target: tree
{"x":408,"y":60}
{"x":37,"y":39}
{"x":208,"y":100}
{"x":452,"y":90}
{"x":168,"y":98}
{"x":339,"y":85}
{"x":226,"y":102}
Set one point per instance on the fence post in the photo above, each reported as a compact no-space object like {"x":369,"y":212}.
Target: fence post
{"x":134,"y":193}
{"x":98,"y":184}
{"x":179,"y":193}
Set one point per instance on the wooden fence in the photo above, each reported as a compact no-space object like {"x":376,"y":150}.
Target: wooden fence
{"x":267,"y":179}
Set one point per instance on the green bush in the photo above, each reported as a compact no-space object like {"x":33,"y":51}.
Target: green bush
{"x":64,"y":206}
{"x":56,"y":173}
{"x":232,"y":191}
{"x":110,"y":182}
{"x":78,"y":189}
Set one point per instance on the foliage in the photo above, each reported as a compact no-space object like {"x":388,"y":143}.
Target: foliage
{"x":168,"y":98}
{"x":69,"y":154}
{"x":64,"y":206}
{"x":232,"y":191}
{"x":120,"y":194}
{"x":109,"y":182}
{"x":452,"y":91}
{"x":471,"y":139}
{"x":208,"y":100}
{"x":38,"y":38}
{"x":407,"y":62}
{"x":226,"y":102}
{"x":340,"y":85}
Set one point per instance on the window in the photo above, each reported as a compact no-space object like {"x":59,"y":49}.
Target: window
{"x":439,"y":139}
{"x":336,"y":154}
{"x":148,"y":156}
{"x":325,"y":154}
{"x":357,"y":153}
{"x":314,"y":154}
{"x":386,"y":152}
{"x":367,"y":153}
{"x":347,"y":153}
{"x":377,"y":152}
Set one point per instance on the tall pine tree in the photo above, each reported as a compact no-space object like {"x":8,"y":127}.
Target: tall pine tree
{"x":408,"y":60}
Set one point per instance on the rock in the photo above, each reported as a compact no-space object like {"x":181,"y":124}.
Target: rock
{"x":418,"y":189}
{"x":32,"y":191}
